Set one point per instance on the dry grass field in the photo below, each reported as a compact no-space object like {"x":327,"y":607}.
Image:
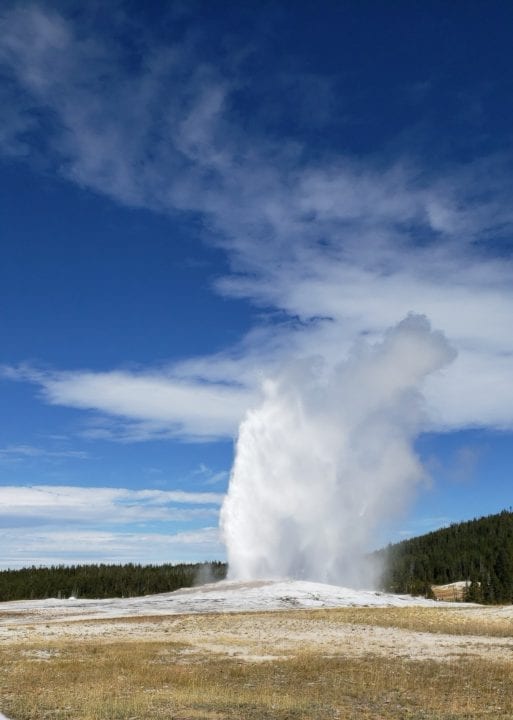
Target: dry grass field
{"x":387,"y":663}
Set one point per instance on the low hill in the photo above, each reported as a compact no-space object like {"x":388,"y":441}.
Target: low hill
{"x":221,"y":597}
{"x":480,"y":551}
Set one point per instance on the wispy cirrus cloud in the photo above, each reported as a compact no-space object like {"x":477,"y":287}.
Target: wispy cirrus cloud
{"x":65,"y":505}
{"x":343,"y":247}
{"x":147,"y":404}
{"x":61,"y":546}
{"x":208,"y":477}
{"x":21,"y":453}
{"x":106,"y":524}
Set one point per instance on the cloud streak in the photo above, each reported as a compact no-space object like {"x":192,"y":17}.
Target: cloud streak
{"x":57,"y":546}
{"x":106,"y":524}
{"x":341,"y":247}
{"x":148,"y":404}
{"x":21,"y":453}
{"x":56,"y":504}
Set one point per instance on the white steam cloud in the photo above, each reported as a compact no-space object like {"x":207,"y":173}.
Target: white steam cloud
{"x":328,"y":456}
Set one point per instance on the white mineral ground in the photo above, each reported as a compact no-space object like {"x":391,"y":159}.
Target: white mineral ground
{"x":243,"y":626}
{"x":225,"y":596}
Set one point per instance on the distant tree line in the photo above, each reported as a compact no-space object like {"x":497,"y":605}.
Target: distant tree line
{"x":104,"y":581}
{"x":479,"y":551}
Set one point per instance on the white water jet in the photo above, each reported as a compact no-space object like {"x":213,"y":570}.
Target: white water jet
{"x":327,"y":457}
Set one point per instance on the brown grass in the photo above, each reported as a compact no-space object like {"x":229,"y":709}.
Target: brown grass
{"x":453,"y":621}
{"x":119,"y":681}
{"x":463,"y":620}
{"x":79,"y":678}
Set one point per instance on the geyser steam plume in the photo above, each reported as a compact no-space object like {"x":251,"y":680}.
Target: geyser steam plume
{"x":327,"y":457}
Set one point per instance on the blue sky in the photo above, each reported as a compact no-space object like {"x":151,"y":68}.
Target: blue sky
{"x":193,"y":194}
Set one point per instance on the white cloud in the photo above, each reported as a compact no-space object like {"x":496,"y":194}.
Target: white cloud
{"x":53,"y":547}
{"x":208,"y":477}
{"x":348,"y":247}
{"x":20,"y":453}
{"x":64,"y":505}
{"x":151,"y":404}
{"x":70,"y":524}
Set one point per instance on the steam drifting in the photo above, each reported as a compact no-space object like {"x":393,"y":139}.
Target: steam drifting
{"x":327,"y":457}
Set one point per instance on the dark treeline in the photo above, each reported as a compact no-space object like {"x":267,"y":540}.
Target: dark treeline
{"x":104,"y":581}
{"x":480,"y":551}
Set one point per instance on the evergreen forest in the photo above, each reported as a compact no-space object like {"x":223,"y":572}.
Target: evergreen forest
{"x":479,"y":551}
{"x":104,"y":581}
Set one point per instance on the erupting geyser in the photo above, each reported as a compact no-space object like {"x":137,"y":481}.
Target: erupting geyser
{"x":327,"y":456}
